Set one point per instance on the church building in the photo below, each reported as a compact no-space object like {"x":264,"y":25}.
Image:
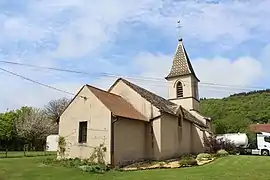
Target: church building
{"x":135,"y":124}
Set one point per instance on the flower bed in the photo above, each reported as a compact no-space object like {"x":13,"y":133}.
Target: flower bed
{"x":185,"y":161}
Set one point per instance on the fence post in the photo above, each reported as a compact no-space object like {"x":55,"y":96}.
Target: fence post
{"x":24,"y":153}
{"x":6,"y":151}
{"x":45,"y":150}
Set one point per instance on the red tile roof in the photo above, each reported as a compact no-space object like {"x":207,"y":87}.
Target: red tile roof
{"x":260,"y":128}
{"x":116,"y":104}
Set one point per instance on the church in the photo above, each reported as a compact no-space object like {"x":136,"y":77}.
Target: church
{"x":135,"y":124}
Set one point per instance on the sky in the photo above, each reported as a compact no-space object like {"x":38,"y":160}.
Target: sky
{"x":228,"y":43}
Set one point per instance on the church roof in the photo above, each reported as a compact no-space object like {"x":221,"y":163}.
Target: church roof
{"x":161,"y":103}
{"x":181,"y":63}
{"x":116,"y":104}
{"x":158,"y":101}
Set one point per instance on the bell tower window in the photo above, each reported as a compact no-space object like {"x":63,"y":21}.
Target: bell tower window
{"x":179,"y":89}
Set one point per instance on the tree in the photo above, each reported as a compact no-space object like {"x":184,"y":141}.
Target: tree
{"x":34,"y":126}
{"x":55,"y":108}
{"x":7,"y":128}
{"x":236,"y":112}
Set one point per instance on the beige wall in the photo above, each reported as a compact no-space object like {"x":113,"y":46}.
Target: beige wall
{"x":170,"y":136}
{"x":142,"y":105}
{"x":99,"y":121}
{"x":155,"y":151}
{"x":197,"y":140}
{"x":188,"y":92}
{"x":187,"y":103}
{"x":129,"y":141}
{"x":174,"y":139}
{"x":185,"y":144}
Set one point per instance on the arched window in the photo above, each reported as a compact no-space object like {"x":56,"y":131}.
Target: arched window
{"x":179,"y":89}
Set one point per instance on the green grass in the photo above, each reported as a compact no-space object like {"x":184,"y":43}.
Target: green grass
{"x":17,"y":154}
{"x":233,"y":167}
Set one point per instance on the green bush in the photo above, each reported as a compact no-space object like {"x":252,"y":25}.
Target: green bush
{"x":84,"y":165}
{"x":188,"y":162}
{"x":222,"y":153}
{"x":94,"y":168}
{"x":204,"y":156}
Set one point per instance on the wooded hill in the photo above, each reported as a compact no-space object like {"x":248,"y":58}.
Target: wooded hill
{"x":236,"y":112}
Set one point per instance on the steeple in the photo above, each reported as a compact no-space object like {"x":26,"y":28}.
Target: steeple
{"x":181,"y":63}
{"x":182,"y":80}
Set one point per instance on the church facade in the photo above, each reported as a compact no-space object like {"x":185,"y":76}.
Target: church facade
{"x":135,"y":124}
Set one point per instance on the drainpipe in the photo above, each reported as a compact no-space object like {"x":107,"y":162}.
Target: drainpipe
{"x":113,"y":120}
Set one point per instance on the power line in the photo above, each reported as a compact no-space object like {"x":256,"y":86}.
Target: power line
{"x":43,"y":67}
{"x":63,"y":91}
{"x":142,"y":78}
{"x":34,"y":81}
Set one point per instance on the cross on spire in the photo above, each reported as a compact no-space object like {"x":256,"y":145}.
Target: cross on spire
{"x":179,"y":30}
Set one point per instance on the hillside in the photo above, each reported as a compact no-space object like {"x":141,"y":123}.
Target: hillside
{"x":234,"y":113}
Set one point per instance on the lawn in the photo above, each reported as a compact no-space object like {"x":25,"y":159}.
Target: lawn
{"x":233,"y":167}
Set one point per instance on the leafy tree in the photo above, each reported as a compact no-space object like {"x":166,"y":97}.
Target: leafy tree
{"x":234,"y":113}
{"x":33,"y":125}
{"x":7,"y":128}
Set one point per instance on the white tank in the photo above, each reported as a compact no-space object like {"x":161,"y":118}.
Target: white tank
{"x":52,"y":142}
{"x":239,"y":139}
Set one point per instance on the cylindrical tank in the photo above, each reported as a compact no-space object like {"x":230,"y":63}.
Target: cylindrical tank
{"x":52,"y":142}
{"x":239,"y":139}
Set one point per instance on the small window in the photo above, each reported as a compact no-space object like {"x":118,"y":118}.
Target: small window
{"x":179,"y":89}
{"x":83,"y":132}
{"x":179,"y":121}
{"x":267,"y":139}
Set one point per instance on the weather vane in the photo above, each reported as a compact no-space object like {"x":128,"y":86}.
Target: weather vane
{"x":179,"y":30}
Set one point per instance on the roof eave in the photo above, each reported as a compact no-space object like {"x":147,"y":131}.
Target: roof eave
{"x":175,"y":76}
{"x":138,"y":119}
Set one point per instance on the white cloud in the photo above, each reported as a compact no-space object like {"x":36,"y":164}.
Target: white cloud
{"x":18,"y":28}
{"x":80,"y":27}
{"x":242,"y":71}
{"x":237,"y":75}
{"x":93,"y":25}
{"x":210,"y":22}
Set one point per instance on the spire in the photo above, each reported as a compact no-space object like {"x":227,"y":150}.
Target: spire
{"x":181,"y":63}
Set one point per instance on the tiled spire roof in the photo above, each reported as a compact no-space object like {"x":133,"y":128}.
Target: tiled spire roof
{"x":181,"y":63}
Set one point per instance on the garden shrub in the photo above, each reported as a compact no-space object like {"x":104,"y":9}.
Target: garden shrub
{"x":222,"y":153}
{"x":204,"y":157}
{"x":94,"y":168}
{"x":84,"y":165}
{"x":187,"y":160}
{"x":95,"y":163}
{"x":213,"y":145}
{"x":98,"y":154}
{"x":62,"y":146}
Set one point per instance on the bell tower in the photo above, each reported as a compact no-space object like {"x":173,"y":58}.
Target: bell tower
{"x":182,"y":80}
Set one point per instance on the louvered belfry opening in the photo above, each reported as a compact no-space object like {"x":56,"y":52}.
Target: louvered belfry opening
{"x":179,"y":89}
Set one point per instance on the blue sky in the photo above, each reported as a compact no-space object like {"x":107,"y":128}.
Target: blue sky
{"x":228,"y":43}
